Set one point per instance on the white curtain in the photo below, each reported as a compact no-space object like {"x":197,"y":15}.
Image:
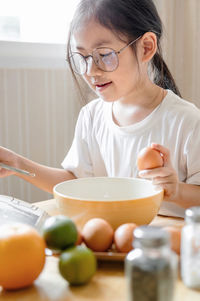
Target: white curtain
{"x":181,"y":44}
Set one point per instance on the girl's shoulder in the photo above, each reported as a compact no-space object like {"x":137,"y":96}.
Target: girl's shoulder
{"x":181,"y":105}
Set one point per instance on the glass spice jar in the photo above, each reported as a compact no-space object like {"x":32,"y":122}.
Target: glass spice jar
{"x":151,"y":268}
{"x":190,"y":248}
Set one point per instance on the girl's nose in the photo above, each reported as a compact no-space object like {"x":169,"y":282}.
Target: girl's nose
{"x":92,"y":68}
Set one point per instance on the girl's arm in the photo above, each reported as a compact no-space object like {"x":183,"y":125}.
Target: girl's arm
{"x":45,"y":177}
{"x":189,"y":195}
{"x":184,"y":195}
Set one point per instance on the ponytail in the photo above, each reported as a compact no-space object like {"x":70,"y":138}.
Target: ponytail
{"x":162,"y":75}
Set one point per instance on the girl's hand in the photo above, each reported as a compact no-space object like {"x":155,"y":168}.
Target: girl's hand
{"x":165,"y":177}
{"x":7,"y":157}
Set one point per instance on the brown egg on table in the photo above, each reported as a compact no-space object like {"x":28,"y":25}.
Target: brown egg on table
{"x":123,"y":237}
{"x":79,"y":237}
{"x":175,"y":237}
{"x":97,"y":234}
{"x":149,"y":158}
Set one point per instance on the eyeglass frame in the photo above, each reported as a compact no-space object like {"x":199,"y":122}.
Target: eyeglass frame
{"x":91,"y":55}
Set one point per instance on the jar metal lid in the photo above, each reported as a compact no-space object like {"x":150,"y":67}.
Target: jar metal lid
{"x":192,"y":214}
{"x":150,"y":236}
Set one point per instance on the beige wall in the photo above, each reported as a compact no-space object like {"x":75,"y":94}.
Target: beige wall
{"x":37,"y":117}
{"x":181,"y":44}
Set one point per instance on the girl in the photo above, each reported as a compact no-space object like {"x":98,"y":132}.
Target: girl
{"x":115,"y":47}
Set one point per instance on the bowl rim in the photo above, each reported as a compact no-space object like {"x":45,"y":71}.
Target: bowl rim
{"x":159,"y":191}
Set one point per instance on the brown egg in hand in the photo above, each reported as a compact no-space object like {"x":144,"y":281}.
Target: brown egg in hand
{"x":149,"y":158}
{"x":123,"y":237}
{"x":98,"y":234}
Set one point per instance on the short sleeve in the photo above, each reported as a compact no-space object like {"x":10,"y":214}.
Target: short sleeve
{"x":192,"y":151}
{"x":78,"y":160}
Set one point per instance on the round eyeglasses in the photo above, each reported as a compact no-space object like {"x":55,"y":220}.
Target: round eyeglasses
{"x":105,"y":59}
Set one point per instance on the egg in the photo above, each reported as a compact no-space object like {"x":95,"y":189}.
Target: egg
{"x":79,"y":237}
{"x":97,"y":234}
{"x":149,"y":158}
{"x":123,"y":237}
{"x":175,"y":238}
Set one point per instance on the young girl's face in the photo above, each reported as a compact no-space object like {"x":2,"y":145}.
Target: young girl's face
{"x":119,"y":84}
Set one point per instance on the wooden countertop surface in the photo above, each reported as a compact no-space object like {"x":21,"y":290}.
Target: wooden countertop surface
{"x":108,"y":284}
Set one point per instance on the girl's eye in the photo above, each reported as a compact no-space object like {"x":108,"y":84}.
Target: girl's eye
{"x":108,"y":58}
{"x":106,"y":54}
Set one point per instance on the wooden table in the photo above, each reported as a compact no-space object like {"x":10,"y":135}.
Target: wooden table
{"x":108,"y":284}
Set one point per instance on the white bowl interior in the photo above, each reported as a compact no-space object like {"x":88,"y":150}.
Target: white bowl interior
{"x":106,"y":189}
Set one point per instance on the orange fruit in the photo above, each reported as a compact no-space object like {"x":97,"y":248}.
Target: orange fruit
{"x":22,"y":255}
{"x":149,"y":158}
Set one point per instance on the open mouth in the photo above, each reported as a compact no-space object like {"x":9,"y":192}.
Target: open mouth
{"x":103,"y":85}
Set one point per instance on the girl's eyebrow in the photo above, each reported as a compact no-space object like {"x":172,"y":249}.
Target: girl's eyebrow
{"x":98,"y":44}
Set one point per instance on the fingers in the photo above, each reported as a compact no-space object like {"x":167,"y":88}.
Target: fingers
{"x":160,"y":148}
{"x":166,"y":188}
{"x":170,"y":190}
{"x":159,"y":177}
{"x":155,"y":172}
{"x":160,"y":171}
{"x":4,"y":173}
{"x":164,"y":177}
{"x":164,"y":180}
{"x":164,"y":151}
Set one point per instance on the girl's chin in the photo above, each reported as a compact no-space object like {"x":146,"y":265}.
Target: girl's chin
{"x":107,"y":98}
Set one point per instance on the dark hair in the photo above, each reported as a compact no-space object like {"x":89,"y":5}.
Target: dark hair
{"x":130,"y":18}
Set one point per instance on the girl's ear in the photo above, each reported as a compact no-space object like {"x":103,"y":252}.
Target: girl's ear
{"x":148,"y":45}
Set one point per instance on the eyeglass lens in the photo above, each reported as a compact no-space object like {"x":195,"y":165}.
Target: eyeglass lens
{"x":105,"y":58}
{"x":78,"y":63}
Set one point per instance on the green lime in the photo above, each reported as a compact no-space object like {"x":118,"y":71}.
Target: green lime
{"x":59,"y":232}
{"x":77,"y":265}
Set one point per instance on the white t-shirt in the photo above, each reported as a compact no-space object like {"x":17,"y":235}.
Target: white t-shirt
{"x":102,"y":148}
